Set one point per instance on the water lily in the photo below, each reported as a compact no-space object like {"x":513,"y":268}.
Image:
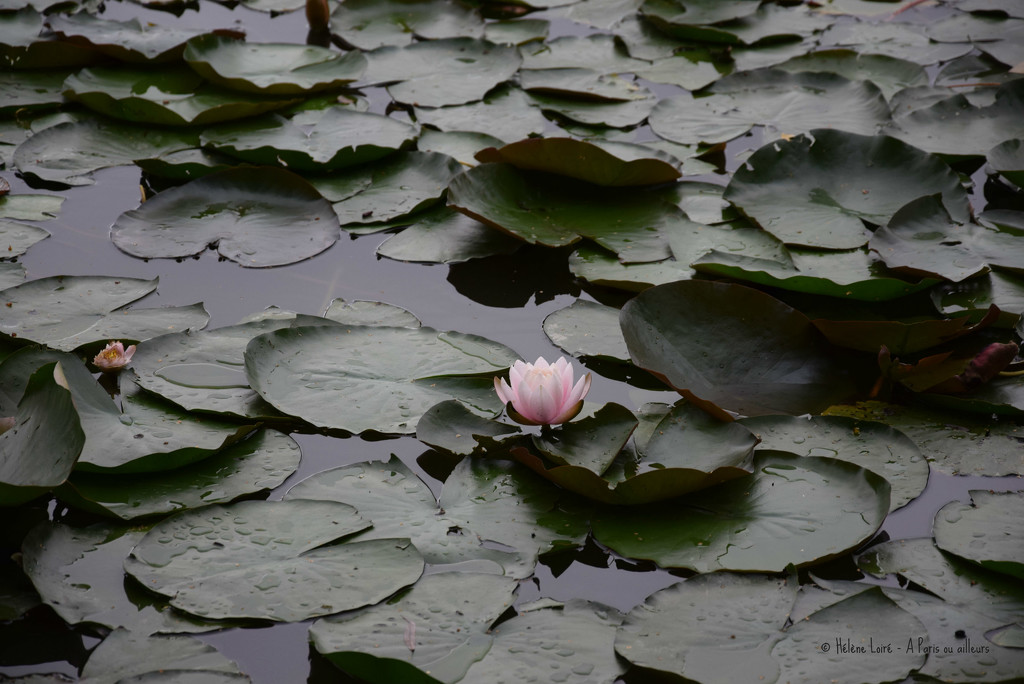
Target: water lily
{"x":114,"y":357}
{"x":542,"y":393}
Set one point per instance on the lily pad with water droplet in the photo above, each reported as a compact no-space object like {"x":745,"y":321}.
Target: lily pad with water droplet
{"x":127,"y":41}
{"x":16,"y":238}
{"x":984,"y":531}
{"x":586,"y":328}
{"x":446,"y":236}
{"x":256,"y":217}
{"x":370,"y":24}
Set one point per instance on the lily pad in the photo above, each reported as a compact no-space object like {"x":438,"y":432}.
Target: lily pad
{"x":30,"y":90}
{"x":793,"y":510}
{"x":259,"y":463}
{"x":583,"y":83}
{"x":361,"y":378}
{"x":204,"y":371}
{"x":893,"y":39}
{"x":695,"y":21}
{"x":16,"y":238}
{"x":784,"y":103}
{"x":976,"y":295}
{"x":68,"y":152}
{"x":241,"y":211}
{"x":1008,"y":159}
{"x":733,"y":347}
{"x":11,"y":274}
{"x":370,"y":313}
{"x":340,"y":138}
{"x":170,"y":97}
{"x":447,"y":237}
{"x":38,"y":453}
{"x":369,"y":24}
{"x":983,"y":532}
{"x":22,"y":48}
{"x":270,"y":560}
{"x":879,"y":448}
{"x":439,"y":73}
{"x":452,"y":427}
{"x":796,"y":190}
{"x":586,"y":328}
{"x":598,"y":52}
{"x":126,"y":41}
{"x":614,"y":114}
{"x":124,"y":656}
{"x":556,"y":211}
{"x":618,"y":165}
{"x":954,"y":443}
{"x":599,"y":266}
{"x":505,"y":113}
{"x":888,"y":73}
{"x":272,"y":68}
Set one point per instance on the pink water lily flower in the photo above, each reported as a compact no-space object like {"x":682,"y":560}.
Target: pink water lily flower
{"x":114,"y":357}
{"x":542,"y":393}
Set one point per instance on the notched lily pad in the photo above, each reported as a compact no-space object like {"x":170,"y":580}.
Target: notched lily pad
{"x":241,"y":211}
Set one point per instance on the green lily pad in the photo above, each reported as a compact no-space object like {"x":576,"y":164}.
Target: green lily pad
{"x":369,"y":24}
{"x":733,"y":347}
{"x":259,"y":463}
{"x":482,"y":500}
{"x":171,"y":97}
{"x":590,"y":443}
{"x":68,"y":152}
{"x":61,"y":561}
{"x":598,"y":266}
{"x":898,"y":337}
{"x":782,"y":102}
{"x":340,"y":138}
{"x":583,"y":83}
{"x":888,"y":73}
{"x":432,"y":633}
{"x":270,"y":560}
{"x":272,"y":68}
{"x":614,"y":165}
{"x":241,"y":211}
{"x":126,"y":656}
{"x":38,"y":453}
{"x":848,"y":274}
{"x":614,"y":114}
{"x":380,"y":378}
{"x":881,"y":449}
{"x":126,"y":41}
{"x":954,"y":443}
{"x":204,"y":371}
{"x":696,"y":21}
{"x":21,"y":48}
{"x":586,"y":328}
{"x":983,"y":532}
{"x":16,"y":238}
{"x":692,"y":70}
{"x":11,"y":275}
{"x":977,"y":295}
{"x":557,"y":211}
{"x":598,"y":52}
{"x":517,"y":31}
{"x":452,"y":427}
{"x":956,"y":128}
{"x":446,"y":236}
{"x":30,"y":90}
{"x":893,"y":39}
{"x":797,"y":191}
{"x":1007,"y":158}
{"x":459,"y":145}
{"x":370,"y":313}
{"x":505,"y":113}
{"x":793,"y":510}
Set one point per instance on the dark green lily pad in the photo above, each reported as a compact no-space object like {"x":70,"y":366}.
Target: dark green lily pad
{"x":733,"y":347}
{"x":68,"y":152}
{"x":983,"y":532}
{"x":360,"y":378}
{"x":459,"y":145}
{"x":174,"y":96}
{"x":61,"y":561}
{"x":614,"y":114}
{"x":21,"y":48}
{"x":956,"y":128}
{"x":182,"y":166}
{"x":16,"y":238}
{"x":976,"y":295}
{"x":898,"y":337}
{"x":126,"y":656}
{"x":888,"y":73}
{"x":793,"y":510}
{"x":505,"y":113}
{"x":30,"y":90}
{"x":1008,"y":159}
{"x":257,"y":464}
{"x":601,"y":267}
{"x":270,"y":560}
{"x":784,"y":103}
{"x":370,"y":313}
{"x":557,"y":211}
{"x":875,"y":446}
{"x":614,"y":165}
{"x":370,"y":24}
{"x":240,"y":210}
{"x":38,"y":453}
{"x":439,"y":627}
{"x":598,"y":52}
{"x":797,"y":191}
{"x":692,"y":70}
{"x":695,"y":21}
{"x":204,"y":371}
{"x":893,"y":39}
{"x":126,"y":41}
{"x":954,"y":443}
{"x":340,"y":138}
{"x":439,"y":73}
{"x":447,"y":237}
{"x":586,"y":328}
{"x":586,"y":84}
{"x":272,"y":68}
{"x":452,"y":427}
{"x":848,"y":274}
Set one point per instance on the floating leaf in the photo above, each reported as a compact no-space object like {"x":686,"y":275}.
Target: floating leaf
{"x":732,"y":346}
{"x":614,"y":114}
{"x":598,"y":52}
{"x":796,"y":190}
{"x":272,"y":68}
{"x":586,"y":328}
{"x":452,"y":427}
{"x":505,"y":113}
{"x":877,"y":447}
{"x":21,"y":48}
{"x":888,"y":73}
{"x":447,"y":237}
{"x":977,"y":295}
{"x":123,"y":656}
{"x":370,"y":24}
{"x":241,"y":211}
{"x":270,"y":560}
{"x":983,"y":532}
{"x":127,"y":41}
{"x":1008,"y":159}
{"x":370,"y":313}
{"x":16,"y":238}
{"x":383,"y":379}
{"x":793,"y":510}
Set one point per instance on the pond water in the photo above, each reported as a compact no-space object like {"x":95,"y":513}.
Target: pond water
{"x":502,"y":298}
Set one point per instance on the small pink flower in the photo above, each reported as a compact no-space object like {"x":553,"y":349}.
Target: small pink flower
{"x":114,"y":357}
{"x":542,"y":393}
